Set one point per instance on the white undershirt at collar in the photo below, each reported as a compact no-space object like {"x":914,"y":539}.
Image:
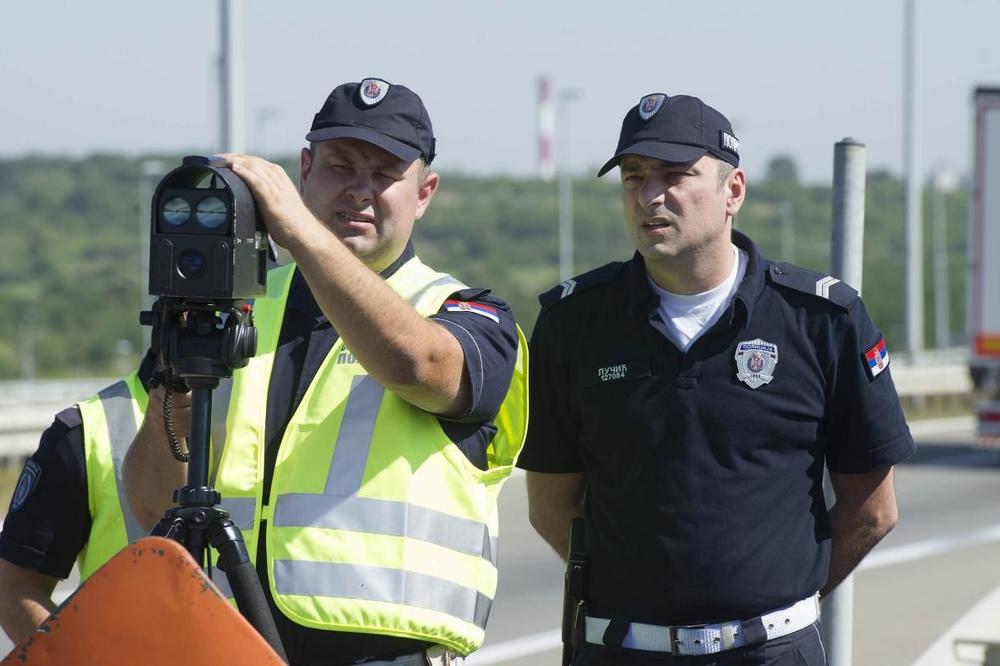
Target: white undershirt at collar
{"x":686,"y":317}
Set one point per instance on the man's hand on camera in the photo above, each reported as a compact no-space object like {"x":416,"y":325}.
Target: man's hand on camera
{"x":285,"y":214}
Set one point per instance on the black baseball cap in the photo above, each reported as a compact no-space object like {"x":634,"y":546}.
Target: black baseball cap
{"x":677,"y":129}
{"x":388,"y":115}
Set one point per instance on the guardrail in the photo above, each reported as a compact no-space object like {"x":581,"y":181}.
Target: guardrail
{"x":934,"y":381}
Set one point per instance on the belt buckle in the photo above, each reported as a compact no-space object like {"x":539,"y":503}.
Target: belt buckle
{"x":676,"y":643}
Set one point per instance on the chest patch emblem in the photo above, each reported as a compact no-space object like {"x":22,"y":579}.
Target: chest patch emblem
{"x":755,"y":362}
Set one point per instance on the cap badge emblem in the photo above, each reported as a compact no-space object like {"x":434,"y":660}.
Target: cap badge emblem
{"x":373,"y":91}
{"x":755,"y":362}
{"x":650,"y":104}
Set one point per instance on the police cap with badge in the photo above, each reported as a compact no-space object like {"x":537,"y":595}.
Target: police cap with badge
{"x":677,"y":129}
{"x":390,"y":116}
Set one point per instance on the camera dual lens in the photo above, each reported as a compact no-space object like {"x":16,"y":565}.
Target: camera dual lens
{"x":209,"y":213}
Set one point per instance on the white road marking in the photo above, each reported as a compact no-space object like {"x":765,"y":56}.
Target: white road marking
{"x":501,"y":653}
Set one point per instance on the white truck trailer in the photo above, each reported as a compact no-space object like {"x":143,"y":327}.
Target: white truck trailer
{"x":984,"y":249}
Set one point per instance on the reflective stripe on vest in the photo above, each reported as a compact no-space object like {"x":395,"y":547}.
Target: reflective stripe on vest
{"x":333,"y":579}
{"x":110,"y":421}
{"x":119,"y":412}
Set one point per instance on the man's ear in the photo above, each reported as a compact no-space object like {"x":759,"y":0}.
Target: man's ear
{"x":736,"y":190}
{"x":426,"y":192}
{"x":305,"y":164}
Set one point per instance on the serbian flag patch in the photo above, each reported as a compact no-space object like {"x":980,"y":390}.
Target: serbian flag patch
{"x":474,"y":307}
{"x":877,"y":358}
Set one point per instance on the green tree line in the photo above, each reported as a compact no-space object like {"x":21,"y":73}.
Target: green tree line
{"x":71,"y":284}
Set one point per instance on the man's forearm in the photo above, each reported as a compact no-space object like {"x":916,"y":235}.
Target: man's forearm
{"x":20,"y":617}
{"x":554,"y":528}
{"x":851,"y":540}
{"x":150,"y":472}
{"x":554,"y":500}
{"x":25,"y":601}
{"x":865,"y":511}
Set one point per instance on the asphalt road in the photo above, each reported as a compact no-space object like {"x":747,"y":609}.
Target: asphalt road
{"x":936,"y":564}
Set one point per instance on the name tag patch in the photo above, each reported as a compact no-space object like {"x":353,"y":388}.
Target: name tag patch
{"x":617,"y":371}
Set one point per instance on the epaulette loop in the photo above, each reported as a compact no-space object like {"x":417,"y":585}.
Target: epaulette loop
{"x":579,"y":283}
{"x":811,"y":282}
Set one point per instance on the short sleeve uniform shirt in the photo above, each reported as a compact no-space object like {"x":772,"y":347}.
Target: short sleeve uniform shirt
{"x":704,"y":469}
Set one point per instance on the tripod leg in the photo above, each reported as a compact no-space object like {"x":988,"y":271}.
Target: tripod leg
{"x":226,"y":538}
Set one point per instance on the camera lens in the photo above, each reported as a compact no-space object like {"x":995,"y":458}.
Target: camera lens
{"x":211,"y":212}
{"x":176,"y":211}
{"x":191,"y":264}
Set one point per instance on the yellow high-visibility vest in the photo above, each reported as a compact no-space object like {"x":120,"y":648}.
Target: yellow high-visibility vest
{"x":376,"y":522}
{"x":110,"y":421}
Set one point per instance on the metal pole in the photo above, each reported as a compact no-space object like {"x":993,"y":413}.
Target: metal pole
{"x":565,"y":185}
{"x":848,"y":211}
{"x":939,"y":238}
{"x":848,"y":251}
{"x":231,"y":72}
{"x":911,"y":161}
{"x":787,"y":231}
{"x":546,"y":130}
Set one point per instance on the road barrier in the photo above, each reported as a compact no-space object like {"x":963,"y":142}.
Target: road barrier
{"x":935,"y":382}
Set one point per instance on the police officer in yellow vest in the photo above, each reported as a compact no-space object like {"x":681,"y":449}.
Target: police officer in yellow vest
{"x":69,"y":502}
{"x":368,"y":439}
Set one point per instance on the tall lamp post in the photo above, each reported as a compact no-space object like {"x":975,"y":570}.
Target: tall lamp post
{"x":914,"y":237}
{"x":943,"y":182}
{"x":565,"y":182}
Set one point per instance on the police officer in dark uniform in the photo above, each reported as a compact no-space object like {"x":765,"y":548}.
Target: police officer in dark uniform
{"x":685,"y":403}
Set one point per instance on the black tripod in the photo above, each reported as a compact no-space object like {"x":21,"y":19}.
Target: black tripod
{"x":200,"y":349}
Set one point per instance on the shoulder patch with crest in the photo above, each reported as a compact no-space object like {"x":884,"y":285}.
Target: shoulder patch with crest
{"x":580,"y":283}
{"x":26,"y":483}
{"x":811,"y":282}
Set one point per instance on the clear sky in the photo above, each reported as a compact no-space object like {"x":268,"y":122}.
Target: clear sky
{"x":794,"y":76}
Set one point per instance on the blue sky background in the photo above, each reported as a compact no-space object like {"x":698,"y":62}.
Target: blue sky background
{"x":793,"y":76}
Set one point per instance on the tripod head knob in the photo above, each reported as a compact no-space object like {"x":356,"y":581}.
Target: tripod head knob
{"x":200,"y":496}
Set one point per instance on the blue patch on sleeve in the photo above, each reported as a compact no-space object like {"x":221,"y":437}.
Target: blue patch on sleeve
{"x":30,"y":475}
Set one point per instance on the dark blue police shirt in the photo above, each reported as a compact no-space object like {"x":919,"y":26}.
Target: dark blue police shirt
{"x":704,"y":496}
